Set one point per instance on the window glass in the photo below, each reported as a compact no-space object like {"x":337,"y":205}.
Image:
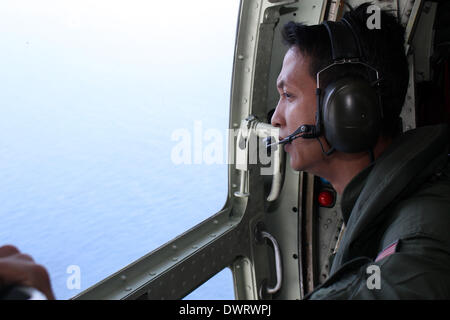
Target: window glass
{"x":108,"y":109}
{"x":219,"y":287}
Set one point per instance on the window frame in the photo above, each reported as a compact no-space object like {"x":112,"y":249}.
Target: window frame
{"x":160,"y":274}
{"x":227,"y":239}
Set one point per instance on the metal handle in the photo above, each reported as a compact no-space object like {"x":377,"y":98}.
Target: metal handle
{"x":265,"y":130}
{"x":278,"y":266}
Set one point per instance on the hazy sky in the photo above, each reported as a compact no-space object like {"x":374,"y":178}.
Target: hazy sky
{"x":90,"y":93}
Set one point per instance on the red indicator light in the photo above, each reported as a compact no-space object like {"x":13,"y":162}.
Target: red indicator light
{"x":326,"y":198}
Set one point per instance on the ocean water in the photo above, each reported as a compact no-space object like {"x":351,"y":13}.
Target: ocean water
{"x":91,"y":93}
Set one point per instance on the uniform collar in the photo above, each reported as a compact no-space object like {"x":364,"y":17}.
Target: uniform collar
{"x":352,"y":191}
{"x":402,"y":168}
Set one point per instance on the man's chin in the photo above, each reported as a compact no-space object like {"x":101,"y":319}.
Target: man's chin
{"x":295,"y":165}
{"x":301,"y":166}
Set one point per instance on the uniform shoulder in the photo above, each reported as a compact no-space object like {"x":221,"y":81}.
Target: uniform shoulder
{"x":425,"y":212}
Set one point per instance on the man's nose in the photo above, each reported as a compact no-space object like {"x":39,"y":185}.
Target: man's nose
{"x":276,"y":120}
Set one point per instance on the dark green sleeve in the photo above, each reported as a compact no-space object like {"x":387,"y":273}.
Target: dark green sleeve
{"x":419,"y":269}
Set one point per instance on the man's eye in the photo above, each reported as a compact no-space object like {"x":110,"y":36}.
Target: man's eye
{"x":287,"y":95}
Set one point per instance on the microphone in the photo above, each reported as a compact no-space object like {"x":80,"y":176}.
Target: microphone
{"x":305,"y":131}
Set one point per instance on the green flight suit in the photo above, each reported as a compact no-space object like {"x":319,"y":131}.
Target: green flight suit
{"x":400,"y":202}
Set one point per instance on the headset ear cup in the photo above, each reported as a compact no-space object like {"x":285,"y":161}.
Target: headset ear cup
{"x":351,"y":114}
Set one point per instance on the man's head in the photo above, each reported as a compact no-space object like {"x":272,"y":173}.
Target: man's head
{"x":310,"y":51}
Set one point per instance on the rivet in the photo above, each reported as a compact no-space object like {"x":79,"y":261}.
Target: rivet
{"x":215,"y":221}
{"x":240,"y":57}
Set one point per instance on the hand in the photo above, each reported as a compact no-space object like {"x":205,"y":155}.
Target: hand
{"x":17,"y":268}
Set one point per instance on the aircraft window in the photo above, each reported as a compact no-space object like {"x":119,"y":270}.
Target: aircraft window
{"x":113,"y":124}
{"x":208,"y":290}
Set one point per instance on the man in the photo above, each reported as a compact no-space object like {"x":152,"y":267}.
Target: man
{"x":396,"y":194}
{"x":18,"y":269}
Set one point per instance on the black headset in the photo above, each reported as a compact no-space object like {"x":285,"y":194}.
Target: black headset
{"x":349,"y":111}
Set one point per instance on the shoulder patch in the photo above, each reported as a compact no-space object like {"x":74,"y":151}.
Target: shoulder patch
{"x":390,"y":249}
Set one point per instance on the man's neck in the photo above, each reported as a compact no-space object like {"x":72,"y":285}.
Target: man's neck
{"x":343,"y":167}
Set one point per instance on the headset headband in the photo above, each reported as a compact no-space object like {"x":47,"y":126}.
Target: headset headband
{"x":344,"y":49}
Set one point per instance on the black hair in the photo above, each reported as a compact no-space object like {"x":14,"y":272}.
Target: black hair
{"x":382,"y":48}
